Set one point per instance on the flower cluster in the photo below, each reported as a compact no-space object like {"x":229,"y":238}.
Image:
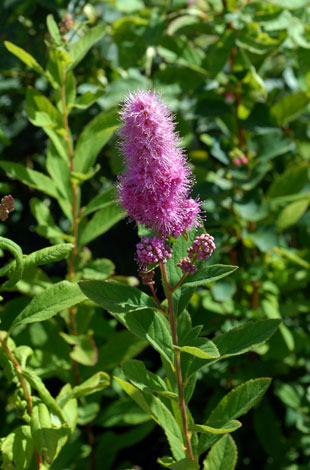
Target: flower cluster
{"x":6,"y":206}
{"x":187,"y":266}
{"x":152,"y":250}
{"x":155,"y":186}
{"x":202,"y":247}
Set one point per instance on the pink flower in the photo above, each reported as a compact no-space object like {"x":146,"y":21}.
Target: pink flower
{"x":157,"y":180}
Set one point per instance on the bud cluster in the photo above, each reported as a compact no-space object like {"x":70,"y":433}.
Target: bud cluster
{"x":187,"y":266}
{"x":202,"y":247}
{"x":6,"y":206}
{"x":66,"y":24}
{"x":152,"y":250}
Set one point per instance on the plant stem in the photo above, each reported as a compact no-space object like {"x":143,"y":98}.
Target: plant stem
{"x":177,"y":363}
{"x":157,"y":300}
{"x":24,"y":386}
{"x":75,"y":225}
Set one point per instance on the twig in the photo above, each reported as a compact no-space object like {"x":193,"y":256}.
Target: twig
{"x":177,"y":364}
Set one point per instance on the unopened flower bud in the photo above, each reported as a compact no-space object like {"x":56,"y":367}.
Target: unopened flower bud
{"x":202,"y":247}
{"x":66,"y":24}
{"x":187,"y":265}
{"x":6,"y":206}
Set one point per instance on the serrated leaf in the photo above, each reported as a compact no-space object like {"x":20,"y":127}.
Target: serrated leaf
{"x":231,"y":426}
{"x":80,"y":48}
{"x":241,"y":339}
{"x":146,"y":380}
{"x":95,"y":383}
{"x":51,"y":254}
{"x":101,"y":222}
{"x":94,"y":136}
{"x":98,"y":269}
{"x":24,"y":57}
{"x":48,"y":303}
{"x":234,"y":404}
{"x":222,"y":456}
{"x":208,"y":274}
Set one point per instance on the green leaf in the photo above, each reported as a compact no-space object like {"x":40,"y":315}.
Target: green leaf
{"x":51,"y":254}
{"x":234,"y":404}
{"x":46,"y":224}
{"x":37,"y":383}
{"x":17,"y":268}
{"x":218,"y":53}
{"x":202,"y":348}
{"x":231,"y":426}
{"x":24,"y":57}
{"x":101,"y":222}
{"x":84,"y":350}
{"x":17,"y":449}
{"x":93,"y":138}
{"x":100,"y":201}
{"x":116,"y":298}
{"x":43,"y":435}
{"x":241,"y":339}
{"x":119,"y":347}
{"x":222,"y":456}
{"x":290,"y":215}
{"x":48,"y":303}
{"x":53,"y":30}
{"x":87,"y":99}
{"x":290,"y":107}
{"x":184,"y":464}
{"x":290,"y":182}
{"x":208,"y":274}
{"x":41,"y":112}
{"x":95,"y":383}
{"x":145,"y":380}
{"x":122,"y":412}
{"x":161,"y":415}
{"x":31,"y":178}
{"x":80,"y":48}
{"x":98,"y":269}
{"x":59,"y":171}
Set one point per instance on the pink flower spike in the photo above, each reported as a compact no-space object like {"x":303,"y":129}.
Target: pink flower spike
{"x":157,"y":180}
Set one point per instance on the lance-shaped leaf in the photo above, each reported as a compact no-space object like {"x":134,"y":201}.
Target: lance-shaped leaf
{"x":94,"y":136}
{"x":231,"y":426}
{"x":222,"y":456}
{"x":80,"y":48}
{"x":202,"y":348}
{"x":116,"y":298}
{"x":184,"y":464}
{"x":209,"y":274}
{"x":24,"y":57}
{"x":100,"y":201}
{"x":234,"y":404}
{"x":47,"y":255}
{"x":101,"y":222}
{"x":31,"y":178}
{"x":48,"y":303}
{"x":244,"y":337}
{"x":161,"y":415}
{"x":41,"y":112}
{"x":145,"y":380}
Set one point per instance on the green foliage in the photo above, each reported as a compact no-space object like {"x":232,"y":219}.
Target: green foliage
{"x":235,"y":74}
